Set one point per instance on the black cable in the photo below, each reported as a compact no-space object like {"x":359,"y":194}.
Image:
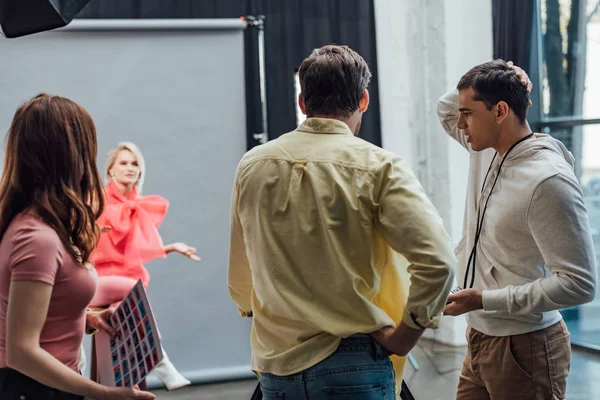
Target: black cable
{"x":473,"y":255}
{"x":477,"y":226}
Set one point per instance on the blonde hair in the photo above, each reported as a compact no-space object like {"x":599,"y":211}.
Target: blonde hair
{"x":111,"y":157}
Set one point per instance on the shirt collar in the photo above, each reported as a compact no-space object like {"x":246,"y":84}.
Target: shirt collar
{"x":325,"y":125}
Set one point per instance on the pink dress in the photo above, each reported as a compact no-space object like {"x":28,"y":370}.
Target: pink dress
{"x":132,"y":240}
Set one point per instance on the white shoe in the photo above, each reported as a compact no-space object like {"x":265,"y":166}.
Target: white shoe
{"x":82,"y":360}
{"x":168,"y":374}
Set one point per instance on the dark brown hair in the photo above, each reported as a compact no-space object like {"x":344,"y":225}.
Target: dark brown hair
{"x":50,"y":170}
{"x":332,"y":80}
{"x":495,"y":81}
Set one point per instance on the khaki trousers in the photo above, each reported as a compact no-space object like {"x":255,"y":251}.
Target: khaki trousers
{"x":531,"y":366}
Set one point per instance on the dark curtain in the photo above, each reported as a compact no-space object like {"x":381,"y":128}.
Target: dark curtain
{"x":293,"y":28}
{"x":515,"y":39}
{"x":513,"y":23}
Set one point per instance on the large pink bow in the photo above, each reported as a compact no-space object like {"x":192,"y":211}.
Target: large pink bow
{"x":133,"y":237}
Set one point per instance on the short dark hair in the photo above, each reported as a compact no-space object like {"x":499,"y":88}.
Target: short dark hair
{"x":333,"y":79}
{"x":495,"y":81}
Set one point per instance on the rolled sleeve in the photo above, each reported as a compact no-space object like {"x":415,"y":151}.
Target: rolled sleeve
{"x":411,"y":225}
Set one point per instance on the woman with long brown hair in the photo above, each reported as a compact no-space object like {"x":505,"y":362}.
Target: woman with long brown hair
{"x":50,"y":197}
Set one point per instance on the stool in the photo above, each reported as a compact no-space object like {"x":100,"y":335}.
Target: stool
{"x":94,"y":361}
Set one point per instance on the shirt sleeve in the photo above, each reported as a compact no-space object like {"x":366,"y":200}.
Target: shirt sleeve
{"x":239,"y":273}
{"x":36,"y":255}
{"x":410,"y":224}
{"x":447,"y":110}
{"x":559,"y":224}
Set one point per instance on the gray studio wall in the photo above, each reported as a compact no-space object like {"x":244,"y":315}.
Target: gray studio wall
{"x":175,"y":88}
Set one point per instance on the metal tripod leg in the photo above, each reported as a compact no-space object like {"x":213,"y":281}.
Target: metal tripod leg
{"x":413,"y":362}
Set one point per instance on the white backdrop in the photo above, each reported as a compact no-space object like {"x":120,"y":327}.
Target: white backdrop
{"x":176,"y":89}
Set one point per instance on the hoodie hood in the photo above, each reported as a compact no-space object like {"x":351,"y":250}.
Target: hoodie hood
{"x":540,"y":142}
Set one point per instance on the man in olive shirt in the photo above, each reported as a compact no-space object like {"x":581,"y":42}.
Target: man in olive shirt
{"x":316,"y":217}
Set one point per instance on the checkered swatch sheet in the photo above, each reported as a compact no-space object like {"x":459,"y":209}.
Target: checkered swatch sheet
{"x":126,"y":359}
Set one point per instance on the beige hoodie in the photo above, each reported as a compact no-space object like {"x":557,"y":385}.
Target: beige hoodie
{"x":535,"y":253}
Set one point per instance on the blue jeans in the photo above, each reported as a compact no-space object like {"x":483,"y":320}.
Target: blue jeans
{"x":360,"y":369}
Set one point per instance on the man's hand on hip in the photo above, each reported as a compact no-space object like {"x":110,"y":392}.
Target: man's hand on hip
{"x":398,"y":341}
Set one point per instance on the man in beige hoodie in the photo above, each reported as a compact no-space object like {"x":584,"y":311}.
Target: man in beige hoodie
{"x":527,"y":250}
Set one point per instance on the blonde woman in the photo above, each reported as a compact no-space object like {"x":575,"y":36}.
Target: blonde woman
{"x":131,"y":238}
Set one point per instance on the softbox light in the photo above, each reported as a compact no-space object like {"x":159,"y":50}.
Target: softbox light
{"x":24,"y":17}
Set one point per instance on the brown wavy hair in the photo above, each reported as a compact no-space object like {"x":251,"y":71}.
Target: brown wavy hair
{"x":50,"y":170}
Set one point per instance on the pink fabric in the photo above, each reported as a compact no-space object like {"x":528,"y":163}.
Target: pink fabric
{"x":133,"y":237}
{"x":112,"y":290}
{"x":32,"y":251}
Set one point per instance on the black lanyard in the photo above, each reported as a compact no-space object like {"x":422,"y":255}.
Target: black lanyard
{"x":473,"y":255}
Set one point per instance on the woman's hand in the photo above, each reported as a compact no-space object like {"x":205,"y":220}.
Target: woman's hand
{"x":100,"y":320}
{"x":121,"y":393}
{"x":184,"y":249}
